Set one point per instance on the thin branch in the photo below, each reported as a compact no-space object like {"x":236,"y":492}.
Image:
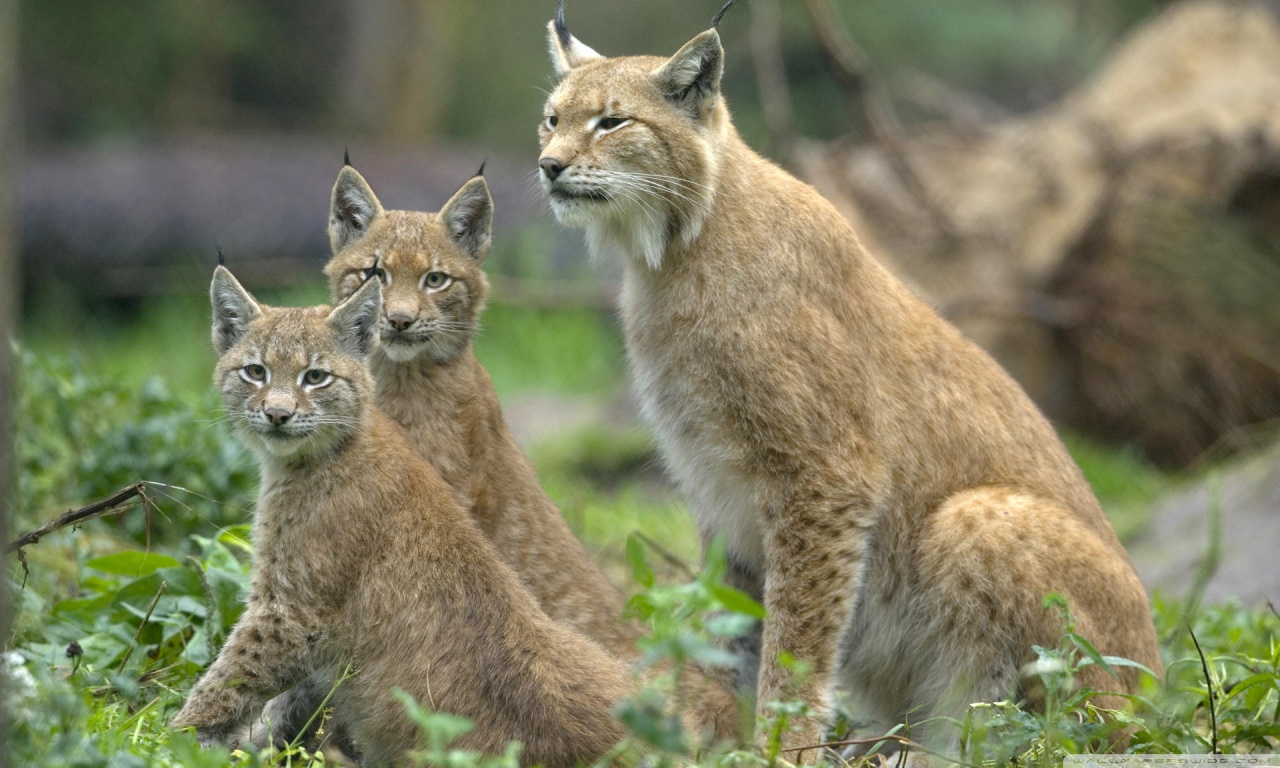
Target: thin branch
{"x":849,"y":63}
{"x":108,"y":506}
{"x":138,"y":634}
{"x":771,"y":76}
{"x":666,"y":554}
{"x":903,"y":740}
{"x":1208,"y":681}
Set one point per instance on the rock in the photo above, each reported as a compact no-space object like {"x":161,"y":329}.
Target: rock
{"x":1172,"y":549}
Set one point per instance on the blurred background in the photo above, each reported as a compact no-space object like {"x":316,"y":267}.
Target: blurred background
{"x":1089,"y":188}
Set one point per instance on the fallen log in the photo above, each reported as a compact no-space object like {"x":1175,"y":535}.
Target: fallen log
{"x":1119,"y":251}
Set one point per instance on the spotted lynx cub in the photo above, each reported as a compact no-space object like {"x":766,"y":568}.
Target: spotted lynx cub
{"x":887,"y":490}
{"x":429,"y":380}
{"x":363,"y":555}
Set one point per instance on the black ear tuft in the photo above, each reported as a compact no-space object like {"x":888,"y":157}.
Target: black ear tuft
{"x":468,"y":217}
{"x":372,"y":272}
{"x":715,"y":20}
{"x":233,"y":309}
{"x":483,"y":163}
{"x":567,"y":52}
{"x":691,"y":78}
{"x":356,"y":320}
{"x":562,"y":29}
{"x":352,"y":209}
{"x":222,"y":259}
{"x":346,"y":157}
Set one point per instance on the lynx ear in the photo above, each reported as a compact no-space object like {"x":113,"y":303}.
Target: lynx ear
{"x":468,"y":216}
{"x":352,"y":208}
{"x":356,"y":319}
{"x":567,"y":51}
{"x":691,"y":78}
{"x":233,"y":309}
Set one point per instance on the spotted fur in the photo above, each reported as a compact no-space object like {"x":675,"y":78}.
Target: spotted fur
{"x":362,"y":556}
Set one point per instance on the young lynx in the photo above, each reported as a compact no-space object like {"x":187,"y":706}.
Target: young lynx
{"x":890,"y":493}
{"x":429,"y":380}
{"x":362,"y":555}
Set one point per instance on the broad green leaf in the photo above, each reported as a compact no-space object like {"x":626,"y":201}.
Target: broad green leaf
{"x":736,"y":600}
{"x":640,"y":569}
{"x":133,"y":562}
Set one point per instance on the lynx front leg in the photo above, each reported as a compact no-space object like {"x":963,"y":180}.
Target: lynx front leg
{"x":814,"y":554}
{"x":268,"y":651}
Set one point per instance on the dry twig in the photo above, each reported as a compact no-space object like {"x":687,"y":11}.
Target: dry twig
{"x":672,"y":558}
{"x":771,"y":76}
{"x":849,"y":63}
{"x":111,"y":505}
{"x":138,"y":634}
{"x":1208,"y":681}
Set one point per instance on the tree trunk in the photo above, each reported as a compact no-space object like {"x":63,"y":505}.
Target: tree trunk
{"x":398,"y":68}
{"x":8,"y":282}
{"x":1118,"y":251}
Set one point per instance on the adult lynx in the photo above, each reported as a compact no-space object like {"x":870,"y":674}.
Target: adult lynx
{"x":363,"y":555}
{"x":887,"y":490}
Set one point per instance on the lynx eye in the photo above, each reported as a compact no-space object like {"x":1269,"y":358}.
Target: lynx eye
{"x":551,"y":122}
{"x":375,"y":271}
{"x":254,"y":373}
{"x":609,"y":123}
{"x":434,"y":281}
{"x":316,"y":377}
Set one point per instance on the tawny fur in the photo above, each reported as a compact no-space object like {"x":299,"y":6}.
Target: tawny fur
{"x":429,"y":380}
{"x":362,"y":555}
{"x":890,"y":493}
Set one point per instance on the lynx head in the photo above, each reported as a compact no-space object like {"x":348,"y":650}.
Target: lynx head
{"x":429,"y":265}
{"x":294,"y":381}
{"x":631,"y":145}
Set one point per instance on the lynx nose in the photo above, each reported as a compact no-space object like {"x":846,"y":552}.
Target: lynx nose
{"x":277,"y":416}
{"x":400,"y":321}
{"x":551,"y":167}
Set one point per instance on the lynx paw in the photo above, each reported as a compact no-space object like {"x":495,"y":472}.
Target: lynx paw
{"x":222,"y":734}
{"x":227,"y":735}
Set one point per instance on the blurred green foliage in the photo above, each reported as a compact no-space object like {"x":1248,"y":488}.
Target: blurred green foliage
{"x":143,"y":68}
{"x":95,"y":678}
{"x":81,"y":437}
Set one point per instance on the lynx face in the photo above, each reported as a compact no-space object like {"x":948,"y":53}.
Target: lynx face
{"x":293,"y":381}
{"x":630,"y":144}
{"x":429,"y":265}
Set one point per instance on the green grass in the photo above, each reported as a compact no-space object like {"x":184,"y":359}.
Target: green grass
{"x":1127,"y":486}
{"x":570,"y":350}
{"x":110,"y":421}
{"x":606,"y":484}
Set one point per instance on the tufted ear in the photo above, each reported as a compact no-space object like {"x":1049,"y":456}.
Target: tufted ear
{"x":356,"y":319}
{"x":352,"y":208}
{"x":691,"y":78}
{"x":233,"y":309}
{"x":468,"y":216}
{"x":567,"y":51}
